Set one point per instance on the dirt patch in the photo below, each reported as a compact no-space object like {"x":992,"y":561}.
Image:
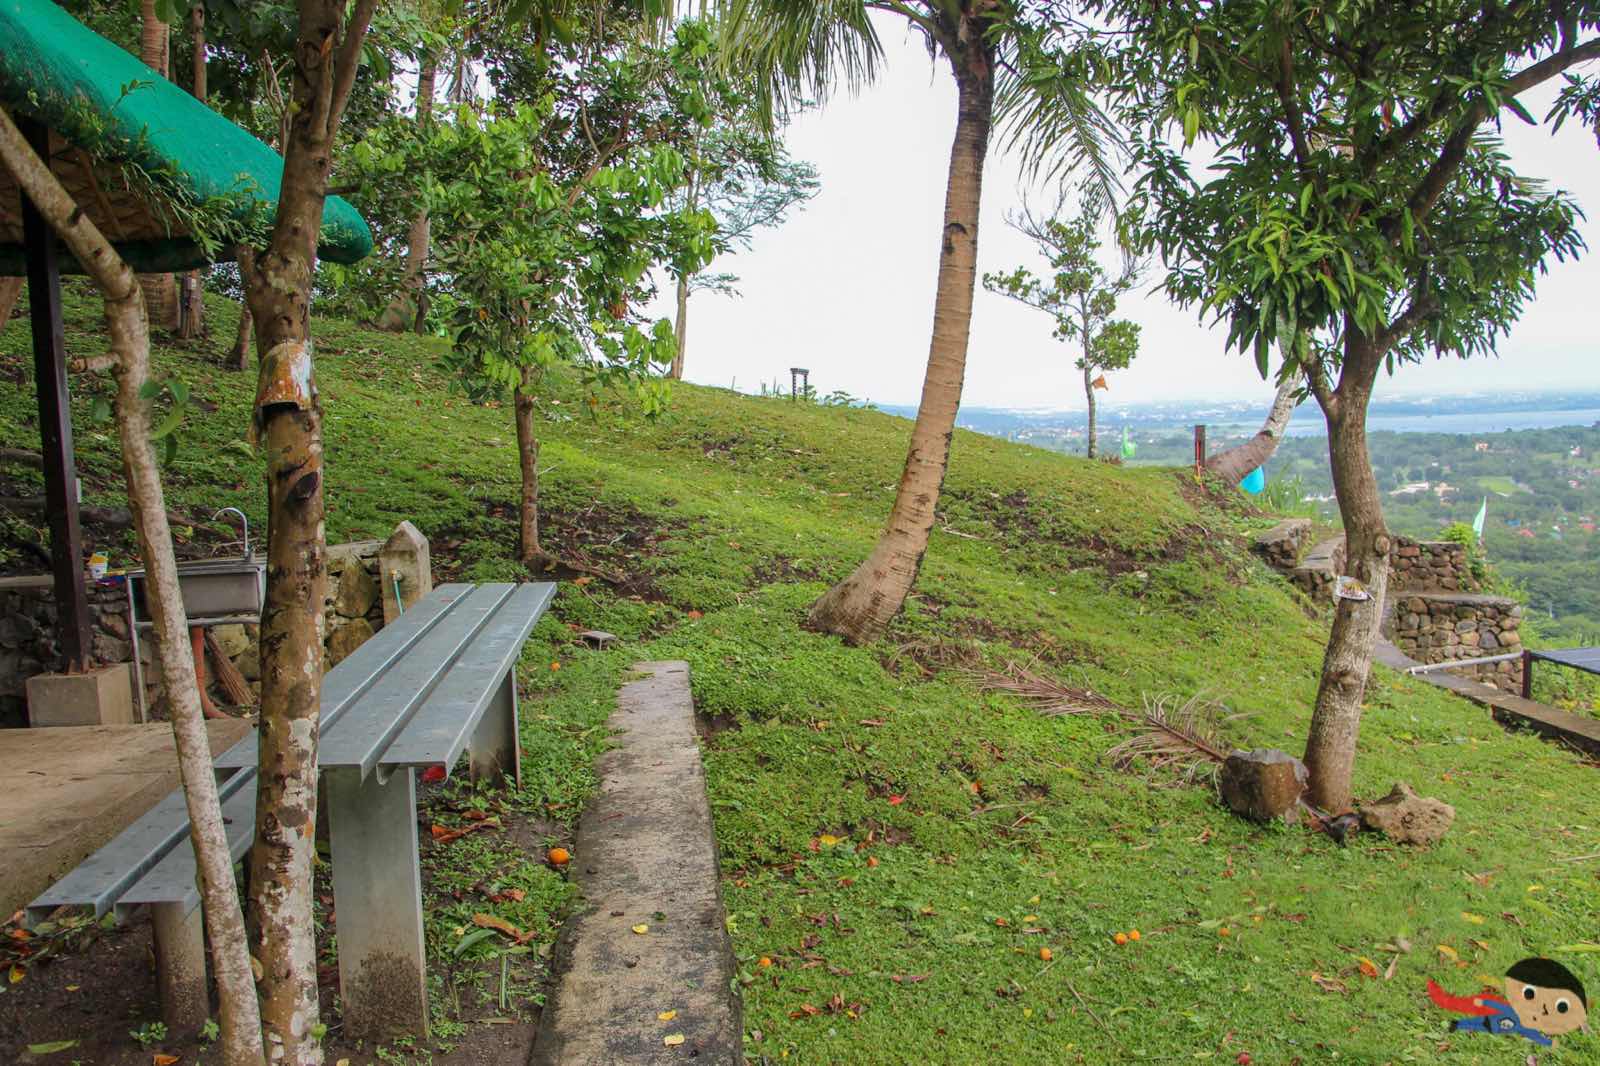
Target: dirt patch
{"x":710,"y":726}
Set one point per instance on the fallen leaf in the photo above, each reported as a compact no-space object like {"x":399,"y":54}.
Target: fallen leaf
{"x":828,"y":840}
{"x":581,"y":581}
{"x":641,"y":929}
{"x":672,"y":1039}
{"x":666,"y":1016}
{"x":895,"y":801}
{"x":1368,"y":967}
{"x":695,"y":616}
{"x":433,"y":773}
{"x":1475,"y":919}
{"x":1389,"y":972}
{"x":444,"y":835}
{"x":910,"y":978}
{"x":1329,"y":984}
{"x":495,"y":922}
{"x":1447,"y":951}
{"x":806,"y":1011}
{"x":159,"y":1059}
{"x":51,"y":1047}
{"x":73,"y":988}
{"x":872,"y":723}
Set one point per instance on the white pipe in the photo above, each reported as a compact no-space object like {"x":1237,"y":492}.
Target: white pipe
{"x":1451,"y":665}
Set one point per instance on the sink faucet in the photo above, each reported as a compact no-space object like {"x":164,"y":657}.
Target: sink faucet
{"x":246,"y":522}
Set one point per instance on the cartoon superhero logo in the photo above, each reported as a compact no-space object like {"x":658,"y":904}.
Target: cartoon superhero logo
{"x":1542,"y":1000}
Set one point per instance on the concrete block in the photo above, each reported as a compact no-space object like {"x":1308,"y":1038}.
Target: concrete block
{"x":405,"y":554}
{"x":103,"y":696}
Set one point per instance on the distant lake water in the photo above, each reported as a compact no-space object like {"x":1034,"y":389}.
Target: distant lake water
{"x":1308,"y":421}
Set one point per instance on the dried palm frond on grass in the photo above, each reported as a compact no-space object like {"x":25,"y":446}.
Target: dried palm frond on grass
{"x":1184,"y":737}
{"x":1165,"y":735}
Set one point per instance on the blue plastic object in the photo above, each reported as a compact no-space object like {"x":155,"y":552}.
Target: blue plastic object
{"x":1254,"y":482}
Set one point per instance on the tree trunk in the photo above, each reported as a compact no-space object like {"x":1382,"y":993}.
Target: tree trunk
{"x":406,"y":310}
{"x":681,"y":328}
{"x":129,"y":337}
{"x":10,"y":289}
{"x":160,"y":290}
{"x":192,"y":304}
{"x":1088,"y":392}
{"x":1336,"y":721}
{"x":1233,"y":464}
{"x":239,"y":354}
{"x":862,"y":605}
{"x":528,"y":549}
{"x":289,"y":425}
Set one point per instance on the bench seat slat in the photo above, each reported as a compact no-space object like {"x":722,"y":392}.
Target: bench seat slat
{"x":173,"y":879}
{"x":438,"y":732}
{"x":98,"y":880}
{"x":347,"y":682}
{"x":383,"y":710}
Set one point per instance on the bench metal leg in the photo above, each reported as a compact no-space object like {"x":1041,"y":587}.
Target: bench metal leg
{"x":377,"y":899}
{"x":495,"y":748}
{"x":181,"y":965}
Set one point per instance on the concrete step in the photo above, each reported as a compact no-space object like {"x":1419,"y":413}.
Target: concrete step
{"x":646,"y":856}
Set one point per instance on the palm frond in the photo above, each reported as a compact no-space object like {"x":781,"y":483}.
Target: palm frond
{"x":1185,"y":737}
{"x":800,"y":51}
{"x":1046,"y":112}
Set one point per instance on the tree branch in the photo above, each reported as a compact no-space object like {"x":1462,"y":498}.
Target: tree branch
{"x":1291,"y":113}
{"x":1433,"y":183}
{"x":355,"y":32}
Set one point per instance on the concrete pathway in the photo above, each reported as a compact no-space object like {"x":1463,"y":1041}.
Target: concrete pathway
{"x":646,"y":860}
{"x":66,"y":790}
{"x":1575,"y":730}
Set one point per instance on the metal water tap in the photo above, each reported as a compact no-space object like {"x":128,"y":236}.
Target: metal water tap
{"x":245,"y":542}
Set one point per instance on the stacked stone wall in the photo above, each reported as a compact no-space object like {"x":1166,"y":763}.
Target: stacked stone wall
{"x":1441,"y":627}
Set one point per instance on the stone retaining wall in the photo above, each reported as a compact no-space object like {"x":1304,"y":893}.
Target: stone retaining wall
{"x":1437,"y":627}
{"x":1281,"y":545}
{"x":1430,"y":566}
{"x":28,"y":644}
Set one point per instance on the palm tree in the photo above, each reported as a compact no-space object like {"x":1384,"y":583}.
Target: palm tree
{"x":802,"y":48}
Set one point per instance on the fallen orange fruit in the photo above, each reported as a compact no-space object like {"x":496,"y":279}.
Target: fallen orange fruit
{"x":1044,"y":953}
{"x":765,"y":962}
{"x":1121,"y":938}
{"x":1133,"y":934}
{"x":559,"y":856}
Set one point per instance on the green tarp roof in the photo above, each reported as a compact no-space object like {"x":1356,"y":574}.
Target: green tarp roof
{"x":59,"y":72}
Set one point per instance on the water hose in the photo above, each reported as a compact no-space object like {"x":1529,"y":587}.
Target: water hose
{"x":399,"y":604}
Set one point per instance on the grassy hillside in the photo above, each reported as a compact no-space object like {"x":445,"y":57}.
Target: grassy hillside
{"x":908,"y":930}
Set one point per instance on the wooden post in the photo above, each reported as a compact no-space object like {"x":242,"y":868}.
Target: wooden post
{"x":1199,"y":449}
{"x":1527,"y":674}
{"x":55,"y":420}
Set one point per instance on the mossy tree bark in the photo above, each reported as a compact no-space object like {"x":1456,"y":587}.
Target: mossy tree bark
{"x":289,"y":425}
{"x":129,"y":336}
{"x":861,"y":606}
{"x":1336,"y":720}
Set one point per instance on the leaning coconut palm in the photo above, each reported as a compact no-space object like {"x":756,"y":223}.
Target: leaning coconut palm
{"x":802,"y":49}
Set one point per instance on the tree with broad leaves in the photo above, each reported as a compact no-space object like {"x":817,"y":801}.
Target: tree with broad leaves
{"x":800,"y":50}
{"x":1080,"y":295}
{"x":1358,"y":214}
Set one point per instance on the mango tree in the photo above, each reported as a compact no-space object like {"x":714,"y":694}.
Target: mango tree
{"x":1358,"y":209}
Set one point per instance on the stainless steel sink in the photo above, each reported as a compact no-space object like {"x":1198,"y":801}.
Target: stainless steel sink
{"x":213,"y":590}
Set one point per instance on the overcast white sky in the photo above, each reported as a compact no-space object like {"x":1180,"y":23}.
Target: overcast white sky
{"x":846,"y":286}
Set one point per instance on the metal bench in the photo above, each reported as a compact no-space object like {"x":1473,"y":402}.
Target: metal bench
{"x":437,"y":682}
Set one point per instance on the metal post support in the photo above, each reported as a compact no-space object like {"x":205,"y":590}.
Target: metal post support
{"x":1527,"y":674}
{"x":180,"y":943}
{"x":55,"y":421}
{"x":377,"y":897}
{"x":494,"y":748}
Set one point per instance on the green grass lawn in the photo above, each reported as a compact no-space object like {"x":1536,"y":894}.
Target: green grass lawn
{"x":911,"y":931}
